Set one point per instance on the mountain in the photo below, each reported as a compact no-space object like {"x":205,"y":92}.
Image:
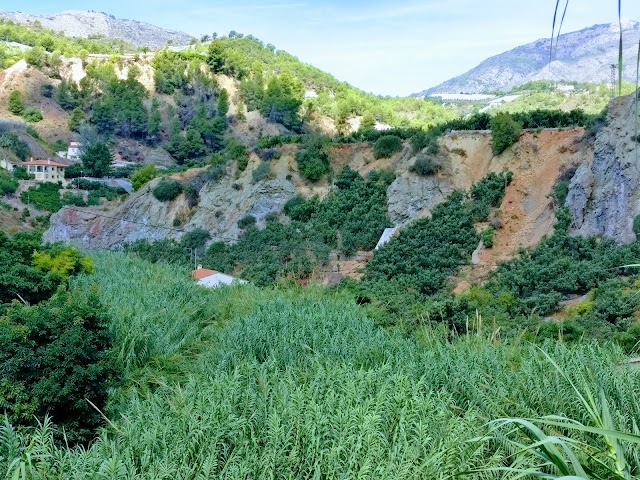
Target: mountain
{"x":84,"y":24}
{"x":583,"y":56}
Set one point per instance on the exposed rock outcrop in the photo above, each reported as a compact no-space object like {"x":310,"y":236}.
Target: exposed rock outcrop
{"x":537,"y":161}
{"x":604,"y":195}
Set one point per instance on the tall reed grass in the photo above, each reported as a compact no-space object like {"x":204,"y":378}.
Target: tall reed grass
{"x":281,"y":383}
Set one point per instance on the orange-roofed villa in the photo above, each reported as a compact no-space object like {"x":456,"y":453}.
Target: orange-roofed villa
{"x":42,"y":170}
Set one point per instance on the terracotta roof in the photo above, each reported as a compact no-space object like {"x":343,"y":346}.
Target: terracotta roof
{"x":42,"y":162}
{"x":201,"y":273}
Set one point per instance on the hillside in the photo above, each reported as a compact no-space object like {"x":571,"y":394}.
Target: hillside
{"x":84,"y":24}
{"x":582,"y":56}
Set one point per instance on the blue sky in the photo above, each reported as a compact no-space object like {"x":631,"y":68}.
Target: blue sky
{"x":390,"y":48}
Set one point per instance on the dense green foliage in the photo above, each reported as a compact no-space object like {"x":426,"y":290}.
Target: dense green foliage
{"x":143,"y":175}
{"x":7,"y":183}
{"x":44,"y":196}
{"x":54,"y":348}
{"x":386,"y":146}
{"x":16,"y":103}
{"x":267,"y":73}
{"x":167,"y":190}
{"x":505,"y":132}
{"x":11,"y":142}
{"x":212,"y":373}
{"x":313,"y":161}
{"x":350,"y":218}
{"x":424,"y":255}
{"x":32,"y":115}
{"x":169,"y":71}
{"x":54,"y":357}
{"x":36,"y":36}
{"x":96,"y":159}
{"x":120,"y":108}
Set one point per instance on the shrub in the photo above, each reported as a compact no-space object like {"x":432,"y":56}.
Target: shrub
{"x":246,"y":221}
{"x":167,"y":190}
{"x":67,"y":339}
{"x":16,"y":103}
{"x":262,"y":172}
{"x":313,"y":162}
{"x":70,"y":198}
{"x":7,"y":184}
{"x":386,"y":146}
{"x":487,"y":194}
{"x":216,"y":172}
{"x":505,"y":132}
{"x":143,"y":175}
{"x":560,"y":192}
{"x":423,"y":166}
{"x":636,"y":226}
{"x":487,"y":237}
{"x":196,"y":238}
{"x":47,"y":90}
{"x":33,"y":132}
{"x":301,"y":210}
{"x":32,"y":115}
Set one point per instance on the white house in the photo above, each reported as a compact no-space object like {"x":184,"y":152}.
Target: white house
{"x":212,"y":279}
{"x":72,"y":152}
{"x":42,"y":170}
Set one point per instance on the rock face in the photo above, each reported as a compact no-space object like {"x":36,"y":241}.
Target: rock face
{"x":583,"y":56}
{"x":536,"y":161}
{"x":222,"y":203}
{"x":604,"y":195}
{"x":411,"y":196}
{"x":78,"y":23}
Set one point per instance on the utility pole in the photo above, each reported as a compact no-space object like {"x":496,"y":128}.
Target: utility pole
{"x":612,"y":90}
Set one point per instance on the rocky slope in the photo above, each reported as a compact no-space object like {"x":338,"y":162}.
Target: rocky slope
{"x":583,"y":56}
{"x":78,"y":23}
{"x":604,"y":193}
{"x":537,"y":161}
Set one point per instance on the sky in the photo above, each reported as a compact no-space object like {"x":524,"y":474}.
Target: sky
{"x":383,"y":47}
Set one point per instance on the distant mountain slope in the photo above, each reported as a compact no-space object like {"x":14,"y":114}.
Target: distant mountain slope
{"x":583,"y":56}
{"x":78,"y":23}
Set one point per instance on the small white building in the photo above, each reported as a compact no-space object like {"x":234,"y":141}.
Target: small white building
{"x":212,"y":279}
{"x":72,"y":152}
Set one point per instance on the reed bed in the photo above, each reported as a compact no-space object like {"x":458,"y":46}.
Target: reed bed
{"x":284,"y":384}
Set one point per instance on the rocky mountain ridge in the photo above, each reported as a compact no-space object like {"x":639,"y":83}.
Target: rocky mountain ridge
{"x":583,"y":56}
{"x":78,"y":23}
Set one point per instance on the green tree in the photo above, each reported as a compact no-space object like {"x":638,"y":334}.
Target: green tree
{"x":36,"y":57}
{"x":505,"y":132}
{"x":386,"y":146}
{"x":16,"y":103}
{"x":368,"y":122}
{"x":55,"y":356}
{"x":96,"y":159}
{"x":76,"y":119}
{"x":223,"y":103}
